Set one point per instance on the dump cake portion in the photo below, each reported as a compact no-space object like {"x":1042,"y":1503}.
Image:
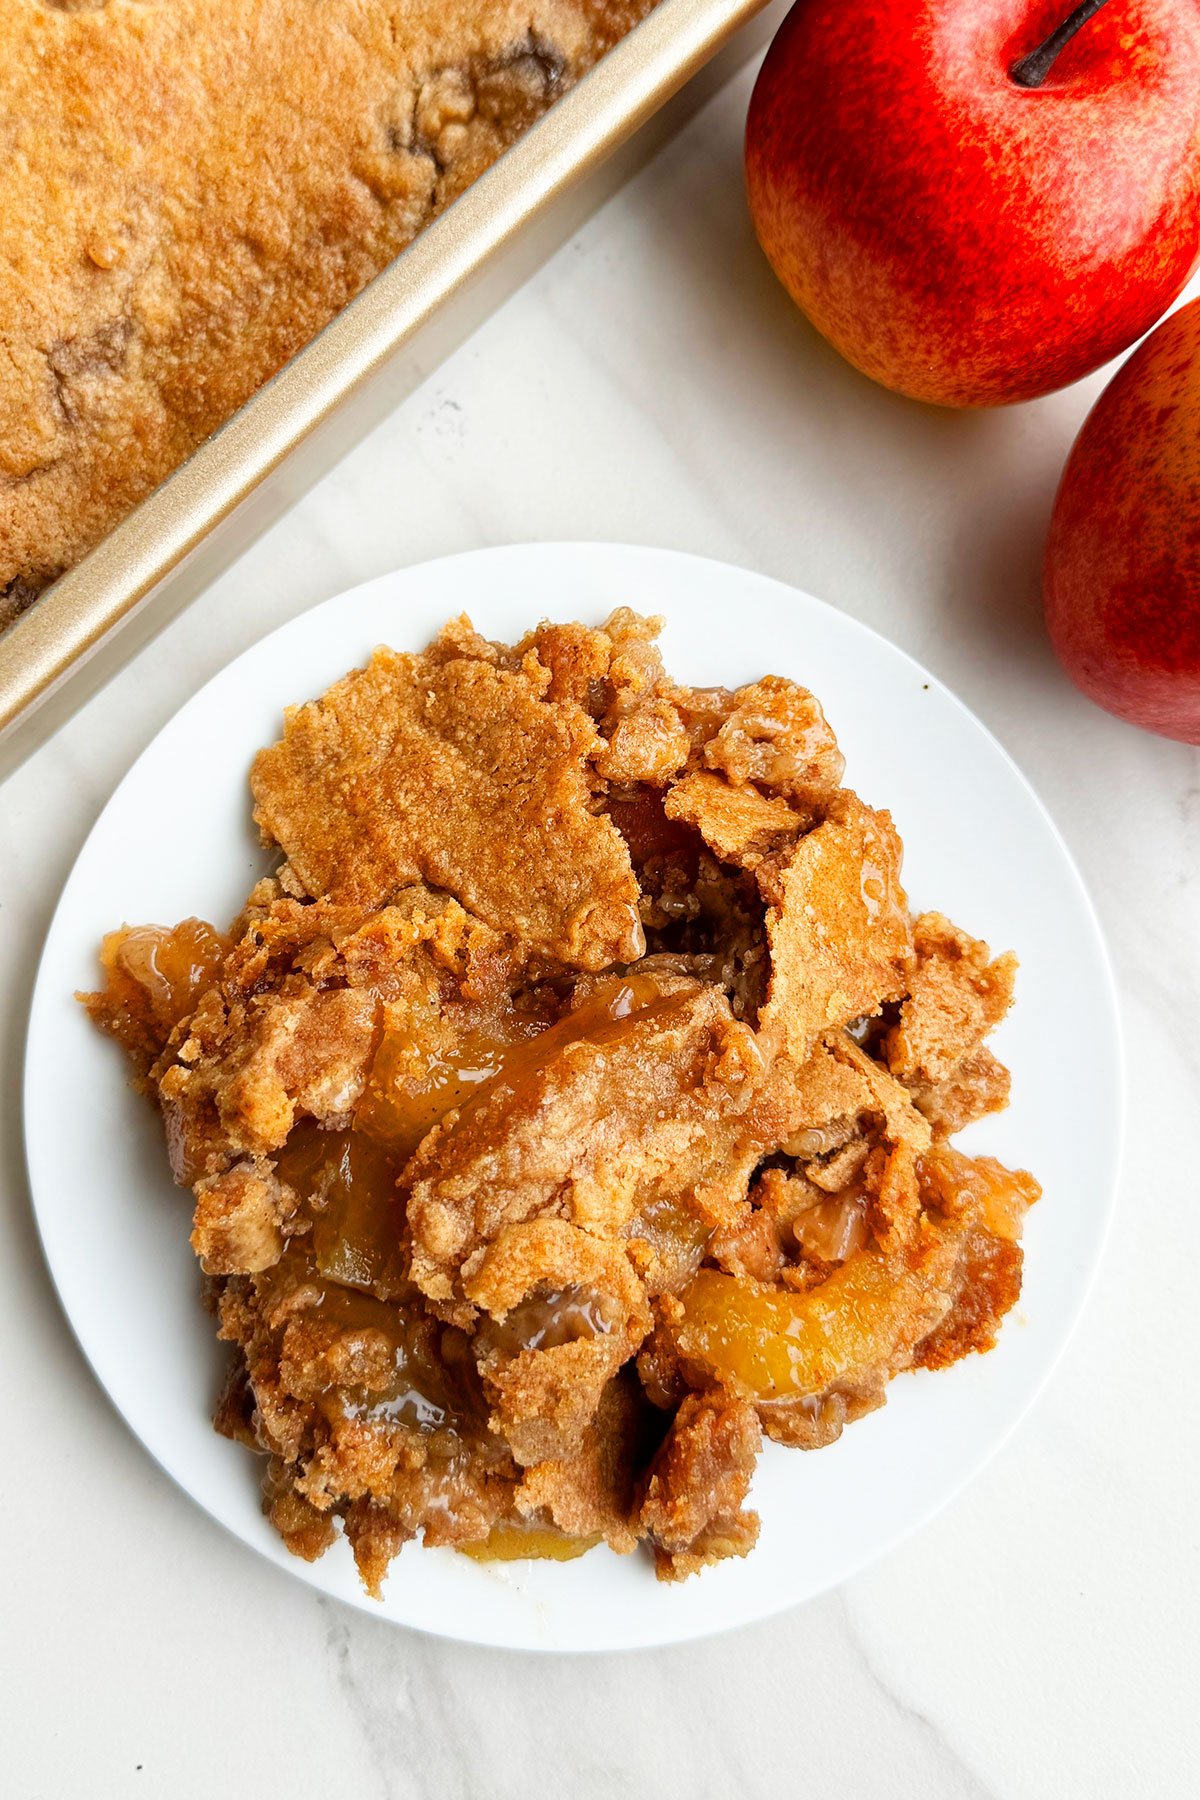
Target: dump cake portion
{"x":191,"y":191}
{"x":571,"y":1108}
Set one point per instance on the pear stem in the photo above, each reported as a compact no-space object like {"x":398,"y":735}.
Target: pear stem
{"x":1033,"y":69}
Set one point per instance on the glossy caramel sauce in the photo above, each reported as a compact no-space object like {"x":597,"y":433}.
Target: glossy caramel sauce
{"x":427,"y":1390}
{"x":399,"y":1105}
{"x":172,"y":966}
{"x":814,"y":1141}
{"x":675,"y":1235}
{"x":882,"y":898}
{"x":547,"y":1318}
{"x":347,"y":1179}
{"x":347,"y":1182}
{"x":417,"y":1394}
{"x":704,"y":711}
{"x":834,"y":1229}
{"x":597,"y":1020}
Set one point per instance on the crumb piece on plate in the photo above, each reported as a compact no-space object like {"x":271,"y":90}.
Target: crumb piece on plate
{"x":957,"y":994}
{"x":459,"y":775}
{"x":837,"y":926}
{"x":776,"y":735}
{"x":693,"y":1511}
{"x":238,"y":1220}
{"x":590,"y":1495}
{"x":739,"y":824}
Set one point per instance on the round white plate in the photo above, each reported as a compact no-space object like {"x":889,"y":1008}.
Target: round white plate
{"x":176,"y":839}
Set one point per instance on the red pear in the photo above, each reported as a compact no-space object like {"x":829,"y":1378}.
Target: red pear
{"x":1123,"y":558}
{"x":959,"y":234}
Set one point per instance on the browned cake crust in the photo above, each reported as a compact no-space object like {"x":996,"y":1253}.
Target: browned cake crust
{"x":192,"y":190}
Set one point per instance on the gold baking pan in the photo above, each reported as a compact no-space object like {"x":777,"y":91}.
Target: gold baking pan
{"x":90,"y":622}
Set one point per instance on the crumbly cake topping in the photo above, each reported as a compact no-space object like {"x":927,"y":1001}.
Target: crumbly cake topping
{"x":572,"y":1107}
{"x":191,"y":191}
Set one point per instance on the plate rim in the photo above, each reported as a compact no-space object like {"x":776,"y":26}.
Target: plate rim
{"x":1109,"y":993}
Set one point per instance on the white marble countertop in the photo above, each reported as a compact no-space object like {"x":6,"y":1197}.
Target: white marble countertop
{"x":1039,"y":1638}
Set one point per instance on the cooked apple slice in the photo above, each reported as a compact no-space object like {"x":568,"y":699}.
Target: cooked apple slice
{"x":868,"y":1317}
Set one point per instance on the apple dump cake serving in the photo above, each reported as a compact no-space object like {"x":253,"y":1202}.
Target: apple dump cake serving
{"x":571,"y":1108}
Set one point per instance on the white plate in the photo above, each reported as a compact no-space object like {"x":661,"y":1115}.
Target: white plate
{"x":176,"y":839}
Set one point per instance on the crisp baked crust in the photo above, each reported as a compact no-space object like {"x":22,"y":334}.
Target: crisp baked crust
{"x":192,"y":190}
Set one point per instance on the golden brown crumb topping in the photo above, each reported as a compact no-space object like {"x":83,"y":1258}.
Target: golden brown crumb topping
{"x":572,"y":1107}
{"x":192,"y":190}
